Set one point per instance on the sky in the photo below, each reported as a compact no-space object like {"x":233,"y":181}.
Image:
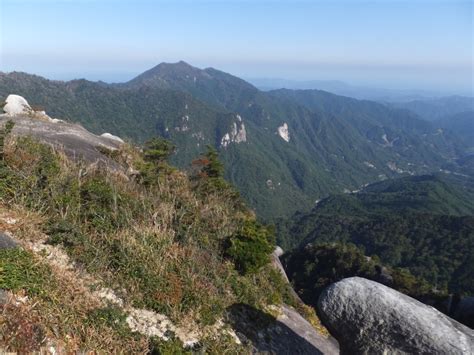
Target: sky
{"x":403,"y":44}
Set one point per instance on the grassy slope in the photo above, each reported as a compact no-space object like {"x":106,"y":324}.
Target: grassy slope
{"x":158,"y":246}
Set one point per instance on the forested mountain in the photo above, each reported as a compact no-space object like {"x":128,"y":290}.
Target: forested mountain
{"x":283,"y":150}
{"x":460,"y":123}
{"x":436,"y":108}
{"x":455,"y":113}
{"x":422,"y":223}
{"x":209,"y":85}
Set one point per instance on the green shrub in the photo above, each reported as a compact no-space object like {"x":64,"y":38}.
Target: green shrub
{"x":158,"y":150}
{"x":171,"y":347}
{"x":250,"y":247}
{"x":313,"y":268}
{"x":101,"y":205}
{"x":407,"y":283}
{"x":316,"y":266}
{"x":5,"y":173}
{"x":215,"y":168}
{"x":155,"y":155}
{"x":110,"y":316}
{"x":209,"y":178}
{"x":64,"y":233}
{"x":36,"y":170}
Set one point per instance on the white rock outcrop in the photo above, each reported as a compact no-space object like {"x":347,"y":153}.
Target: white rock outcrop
{"x":16,"y":105}
{"x":284,"y":132}
{"x":112,"y":137}
{"x":72,"y":139}
{"x":237,"y":134}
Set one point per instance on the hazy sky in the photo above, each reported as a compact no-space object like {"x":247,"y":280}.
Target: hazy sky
{"x":390,"y":43}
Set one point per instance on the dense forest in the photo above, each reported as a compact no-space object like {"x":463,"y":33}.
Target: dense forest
{"x":423,"y":224}
{"x":316,"y":266}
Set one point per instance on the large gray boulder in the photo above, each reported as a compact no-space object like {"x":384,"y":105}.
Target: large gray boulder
{"x":369,"y":318}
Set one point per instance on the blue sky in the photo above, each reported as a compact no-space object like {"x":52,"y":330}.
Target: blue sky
{"x":390,"y":43}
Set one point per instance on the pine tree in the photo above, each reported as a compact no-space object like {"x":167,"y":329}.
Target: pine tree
{"x":157,"y":150}
{"x":214,"y":168}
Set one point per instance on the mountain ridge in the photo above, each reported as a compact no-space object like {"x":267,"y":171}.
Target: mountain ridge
{"x":322,"y":151}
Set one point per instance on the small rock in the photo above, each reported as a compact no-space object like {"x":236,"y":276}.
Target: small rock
{"x":6,"y":242}
{"x":278,"y":251}
{"x":4,"y":296}
{"x":112,"y":137}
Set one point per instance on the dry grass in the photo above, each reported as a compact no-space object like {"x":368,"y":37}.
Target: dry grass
{"x":58,"y":315}
{"x":158,"y":246}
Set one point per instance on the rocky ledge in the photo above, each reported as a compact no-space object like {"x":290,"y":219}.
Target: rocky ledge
{"x":77,"y":142}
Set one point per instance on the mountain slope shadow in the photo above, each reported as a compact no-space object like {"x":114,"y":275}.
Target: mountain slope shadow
{"x":265,"y":333}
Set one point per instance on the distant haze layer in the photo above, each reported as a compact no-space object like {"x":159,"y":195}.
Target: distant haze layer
{"x":397,"y":44}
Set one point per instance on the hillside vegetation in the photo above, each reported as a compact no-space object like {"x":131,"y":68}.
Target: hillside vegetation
{"x":433,"y":109}
{"x":316,"y":266}
{"x":100,"y":249}
{"x":424,"y":224}
{"x":462,"y":124}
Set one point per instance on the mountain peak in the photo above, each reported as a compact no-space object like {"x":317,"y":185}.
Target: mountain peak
{"x":167,"y":68}
{"x":177,"y":65}
{"x":167,"y":75}
{"x":209,"y":85}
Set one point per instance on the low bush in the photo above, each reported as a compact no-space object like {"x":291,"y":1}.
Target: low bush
{"x":250,"y":246}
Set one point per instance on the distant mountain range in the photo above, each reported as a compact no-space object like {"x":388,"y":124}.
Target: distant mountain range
{"x":435,"y":109}
{"x":455,"y":113}
{"x":344,"y":89}
{"x":283,"y":149}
